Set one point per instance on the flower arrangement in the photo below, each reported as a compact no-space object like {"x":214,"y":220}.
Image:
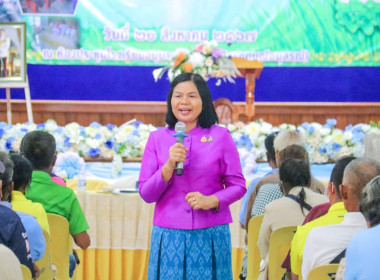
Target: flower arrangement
{"x":93,"y":141}
{"x":206,"y":59}
{"x":324,"y":143}
{"x":69,"y":165}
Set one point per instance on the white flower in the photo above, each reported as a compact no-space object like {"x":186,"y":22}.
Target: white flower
{"x":51,"y":125}
{"x":347,"y":135}
{"x":208,"y":63}
{"x":266,"y":127}
{"x":324,"y":131}
{"x":337,"y":137}
{"x":328,"y":139}
{"x":231,"y":127}
{"x":286,"y":126}
{"x":317,"y":126}
{"x":157,"y":73}
{"x":92,"y":143}
{"x":170,"y":75}
{"x":366,"y":127}
{"x":196,"y":59}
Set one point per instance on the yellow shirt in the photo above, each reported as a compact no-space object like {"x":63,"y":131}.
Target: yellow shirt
{"x":335,"y":215}
{"x":21,"y":204}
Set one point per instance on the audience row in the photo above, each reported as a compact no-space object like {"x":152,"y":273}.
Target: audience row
{"x":290,"y":196}
{"x":28,"y":191}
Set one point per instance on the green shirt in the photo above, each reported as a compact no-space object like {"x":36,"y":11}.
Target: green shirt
{"x":57,"y":199}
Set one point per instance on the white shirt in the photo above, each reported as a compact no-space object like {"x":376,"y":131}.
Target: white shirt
{"x":10,"y":268}
{"x":323,"y":244}
{"x":4,"y":46}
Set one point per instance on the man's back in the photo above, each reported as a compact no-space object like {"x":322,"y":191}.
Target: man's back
{"x":363,"y":254}
{"x":57,"y":199}
{"x":325,"y":243}
{"x":334,"y":216}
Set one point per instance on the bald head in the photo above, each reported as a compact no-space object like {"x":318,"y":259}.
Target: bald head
{"x":356,"y":176}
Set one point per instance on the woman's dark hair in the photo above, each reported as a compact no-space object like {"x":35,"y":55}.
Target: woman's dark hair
{"x":294,"y":173}
{"x":208,"y":116}
{"x":22,"y":171}
{"x":370,"y":201}
{"x":39,"y":148}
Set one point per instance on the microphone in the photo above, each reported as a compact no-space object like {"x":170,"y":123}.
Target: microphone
{"x":180,"y":129}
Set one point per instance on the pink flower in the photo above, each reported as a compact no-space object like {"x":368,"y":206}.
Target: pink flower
{"x":217,"y":53}
{"x":199,"y":48}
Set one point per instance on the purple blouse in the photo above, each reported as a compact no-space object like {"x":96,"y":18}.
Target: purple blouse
{"x":211,"y":167}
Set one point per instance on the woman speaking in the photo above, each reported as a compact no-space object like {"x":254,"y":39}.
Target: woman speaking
{"x":190,"y":236}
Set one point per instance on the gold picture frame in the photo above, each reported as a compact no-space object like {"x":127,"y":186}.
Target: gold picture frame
{"x":12,"y":54}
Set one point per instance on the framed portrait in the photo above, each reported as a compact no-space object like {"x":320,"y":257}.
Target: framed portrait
{"x":12,"y":54}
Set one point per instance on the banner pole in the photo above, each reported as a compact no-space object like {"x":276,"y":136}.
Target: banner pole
{"x":28,"y":101}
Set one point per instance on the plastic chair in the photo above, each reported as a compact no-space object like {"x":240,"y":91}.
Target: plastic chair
{"x":279,"y":247}
{"x":26,"y":273}
{"x":254,"y":258}
{"x":61,"y":245}
{"x":225,"y":111}
{"x":324,"y":272}
{"x":45,"y":263}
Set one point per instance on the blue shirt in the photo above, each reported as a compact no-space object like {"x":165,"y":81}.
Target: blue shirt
{"x":244,"y":201}
{"x":13,"y":235}
{"x":363,"y":255}
{"x":33,"y":231}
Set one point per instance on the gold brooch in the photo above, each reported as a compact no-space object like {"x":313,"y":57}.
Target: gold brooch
{"x":204,"y":139}
{"x":210,"y":139}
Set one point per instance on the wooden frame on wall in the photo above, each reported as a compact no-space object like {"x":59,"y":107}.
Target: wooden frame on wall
{"x":276,"y":113}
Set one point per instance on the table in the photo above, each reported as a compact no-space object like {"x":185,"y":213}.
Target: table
{"x":120,"y":225}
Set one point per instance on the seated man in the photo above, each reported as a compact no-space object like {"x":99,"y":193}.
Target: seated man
{"x":272,"y":163}
{"x":363,"y":252}
{"x":328,"y":243}
{"x":270,"y":192}
{"x":284,"y":139}
{"x":335,"y":215}
{"x":22,"y":176}
{"x":40,"y":149}
{"x":12,"y":232}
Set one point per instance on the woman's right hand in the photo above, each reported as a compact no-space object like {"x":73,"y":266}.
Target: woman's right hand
{"x":177,"y":153}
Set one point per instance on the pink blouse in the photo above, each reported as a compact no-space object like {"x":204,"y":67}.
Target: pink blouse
{"x":211,"y":167}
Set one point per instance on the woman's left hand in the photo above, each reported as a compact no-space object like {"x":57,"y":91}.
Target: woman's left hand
{"x":197,"y":201}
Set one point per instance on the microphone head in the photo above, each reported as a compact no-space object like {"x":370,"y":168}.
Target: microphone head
{"x":180,"y":127}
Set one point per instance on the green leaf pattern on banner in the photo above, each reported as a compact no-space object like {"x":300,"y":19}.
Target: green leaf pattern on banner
{"x":358,"y":15}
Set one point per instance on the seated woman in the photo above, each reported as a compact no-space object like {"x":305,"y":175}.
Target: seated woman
{"x":291,"y":209}
{"x":22,"y":176}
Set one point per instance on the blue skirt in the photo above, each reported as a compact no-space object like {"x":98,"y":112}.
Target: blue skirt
{"x":190,"y":254}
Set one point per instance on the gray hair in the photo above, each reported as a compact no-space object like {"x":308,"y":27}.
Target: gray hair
{"x":370,"y":201}
{"x":286,"y":138}
{"x":6,"y":175}
{"x":359,"y":172}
